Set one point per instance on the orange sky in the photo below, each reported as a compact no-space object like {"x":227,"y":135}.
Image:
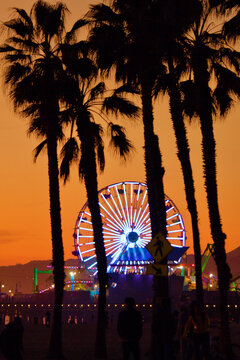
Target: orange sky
{"x":24,"y":201}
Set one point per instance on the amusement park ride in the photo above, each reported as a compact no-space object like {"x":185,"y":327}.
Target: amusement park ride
{"x":127,"y":231}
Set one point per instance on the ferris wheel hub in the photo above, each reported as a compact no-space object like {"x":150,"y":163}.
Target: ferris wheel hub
{"x":132,"y":237}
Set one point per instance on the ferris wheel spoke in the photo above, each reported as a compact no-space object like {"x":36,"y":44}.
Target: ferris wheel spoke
{"x":171,"y":208}
{"x":174,"y":238}
{"x":139,"y":187}
{"x":173,"y":224}
{"x":91,"y":266}
{"x":119,"y":218}
{"x":119,"y":224}
{"x":110,"y":252}
{"x":134,"y":216}
{"x":131,"y":194}
{"x":86,"y":221}
{"x":87,"y":251}
{"x":89,"y":258}
{"x":144,"y":227}
{"x":87,"y":213}
{"x":111,"y":233}
{"x":113,"y":249}
{"x":120,"y":215}
{"x":120,"y":202}
{"x":113,"y":226}
{"x":144,"y":196}
{"x":173,"y":216}
{"x":126,"y":203}
{"x":116,"y":241}
{"x":85,"y":236}
{"x":87,"y":229}
{"x":111,"y":229}
{"x":141,"y":220}
{"x":139,"y":212}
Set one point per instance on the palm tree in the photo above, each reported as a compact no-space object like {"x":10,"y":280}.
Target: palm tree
{"x":140,"y":30}
{"x":33,"y":75}
{"x":169,"y":83}
{"x":207,"y":53}
{"x":88,"y":101}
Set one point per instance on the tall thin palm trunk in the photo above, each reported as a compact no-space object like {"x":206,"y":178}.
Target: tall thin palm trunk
{"x":184,"y":158}
{"x":55,"y":346}
{"x":156,"y":198}
{"x":201,"y":78}
{"x":90,"y":178}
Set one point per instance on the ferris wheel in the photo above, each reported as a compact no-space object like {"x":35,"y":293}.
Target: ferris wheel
{"x":126,"y":228}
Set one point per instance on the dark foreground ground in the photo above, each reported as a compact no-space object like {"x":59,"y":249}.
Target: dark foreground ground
{"x":79,"y":341}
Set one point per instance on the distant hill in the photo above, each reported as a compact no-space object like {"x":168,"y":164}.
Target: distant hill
{"x":21,"y":275}
{"x":233,"y":259}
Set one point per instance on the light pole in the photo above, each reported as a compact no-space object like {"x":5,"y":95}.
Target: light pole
{"x":72,"y":274}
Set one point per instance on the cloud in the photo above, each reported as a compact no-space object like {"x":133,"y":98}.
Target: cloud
{"x":7,"y":236}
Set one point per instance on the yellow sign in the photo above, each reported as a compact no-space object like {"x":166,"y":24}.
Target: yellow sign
{"x":159,"y":247}
{"x":157,"y":270}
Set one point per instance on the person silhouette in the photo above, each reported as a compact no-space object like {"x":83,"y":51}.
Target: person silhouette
{"x":129,"y":328}
{"x":11,"y":343}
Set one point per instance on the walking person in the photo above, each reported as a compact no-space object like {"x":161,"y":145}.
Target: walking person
{"x":198,"y":325}
{"x":130,"y":330}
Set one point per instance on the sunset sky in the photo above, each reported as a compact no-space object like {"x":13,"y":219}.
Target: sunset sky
{"x":24,"y":201}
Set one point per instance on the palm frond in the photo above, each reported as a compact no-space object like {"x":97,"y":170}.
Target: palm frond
{"x":12,"y":58}
{"x":36,"y":126}
{"x":161,"y":85}
{"x":119,"y":141}
{"x":19,"y":27}
{"x":230,"y":57}
{"x":24,"y":16}
{"x":189,"y":94}
{"x":5,"y":48}
{"x":15,"y":73}
{"x":23,"y":44}
{"x":70,"y":35}
{"x":117,"y":105}
{"x":101,"y":157}
{"x":69,"y":154}
{"x":231,"y":28}
{"x":97,"y":90}
{"x":39,"y":149}
{"x":227,"y":79}
{"x":223,"y":100}
{"x":102,"y":13}
{"x":127,"y":88}
{"x":49,"y":18}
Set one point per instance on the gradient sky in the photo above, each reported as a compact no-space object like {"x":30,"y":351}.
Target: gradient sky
{"x":24,"y":200}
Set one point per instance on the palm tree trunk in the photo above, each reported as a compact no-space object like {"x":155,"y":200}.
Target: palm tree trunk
{"x":184,"y":158}
{"x":90,"y":178}
{"x":201,"y":78}
{"x":156,"y":197}
{"x":55,"y":346}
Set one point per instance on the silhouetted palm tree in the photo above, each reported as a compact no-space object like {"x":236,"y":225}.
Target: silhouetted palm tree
{"x":140,"y":30}
{"x":208,"y":55}
{"x":88,"y":102}
{"x":34,"y":75}
{"x":169,"y":83}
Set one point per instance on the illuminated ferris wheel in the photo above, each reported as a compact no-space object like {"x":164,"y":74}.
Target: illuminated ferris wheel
{"x":126,"y":228}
